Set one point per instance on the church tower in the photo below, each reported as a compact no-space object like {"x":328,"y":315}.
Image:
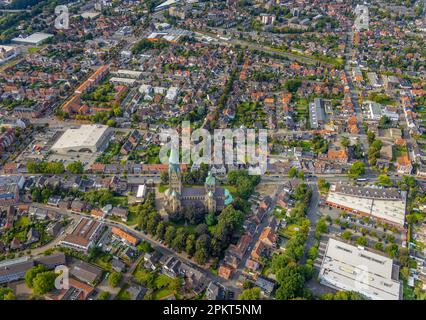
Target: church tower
{"x":210,"y":183}
{"x":174,"y":202}
{"x":175,"y":182}
{"x":210,"y":187}
{"x":210,"y":202}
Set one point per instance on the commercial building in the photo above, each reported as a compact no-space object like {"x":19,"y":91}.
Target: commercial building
{"x":387,"y":205}
{"x":317,"y":114}
{"x":121,"y":73}
{"x":350,"y":268}
{"x":86,"y":272}
{"x":35,"y":39}
{"x":87,"y":138}
{"x":9,"y":194}
{"x":84,"y":235}
{"x":7,"y":53}
{"x":377,"y":111}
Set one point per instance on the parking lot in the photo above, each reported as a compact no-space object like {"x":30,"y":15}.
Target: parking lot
{"x":369,"y":227}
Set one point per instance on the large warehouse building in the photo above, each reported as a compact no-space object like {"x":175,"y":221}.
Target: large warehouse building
{"x":351,"y":268}
{"x":387,"y":205}
{"x":87,"y":138}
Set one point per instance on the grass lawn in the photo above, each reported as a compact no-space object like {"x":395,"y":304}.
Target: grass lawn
{"x":163,"y":293}
{"x":103,"y":262}
{"x":280,"y":212}
{"x":290,"y":230}
{"x":266,"y":271}
{"x":123,"y":294}
{"x":119,"y":201}
{"x":190,"y":227}
{"x":302,"y":108}
{"x":23,"y":222}
{"x":34,"y":50}
{"x":132,"y":218}
{"x":162,"y":281}
{"x":162,"y":188}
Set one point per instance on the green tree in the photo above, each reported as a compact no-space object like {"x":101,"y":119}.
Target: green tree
{"x":292,"y":173}
{"x":145,"y":246}
{"x":6,"y":293}
{"x":32,"y":273}
{"x":344,"y":142}
{"x":170,"y":234}
{"x":323,"y":185}
{"x":371,"y":136}
{"x":114,"y":279}
{"x":9,"y":296}
{"x":357,"y":169}
{"x":104,"y":295}
{"x":201,"y":256}
{"x":378,"y":246}
{"x":384,"y":180}
{"x":347,"y":235}
{"x":291,"y":282}
{"x":44,"y":282}
{"x":76,"y":167}
{"x":293,"y":85}
{"x":250,"y":294}
{"x":361,"y":241}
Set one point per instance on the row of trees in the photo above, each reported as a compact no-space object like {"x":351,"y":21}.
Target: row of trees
{"x":46,"y":167}
{"x":54,"y":167}
{"x":375,"y":145}
{"x":290,"y":275}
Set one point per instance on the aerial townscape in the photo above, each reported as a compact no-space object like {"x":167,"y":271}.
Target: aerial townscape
{"x":85,"y":196}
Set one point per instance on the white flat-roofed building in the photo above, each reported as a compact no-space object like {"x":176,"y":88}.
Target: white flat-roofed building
{"x":351,"y":268}
{"x":375,"y":110}
{"x":140,"y":195}
{"x":34,"y":39}
{"x":172,"y":93}
{"x":127,"y":74}
{"x":90,"y":14}
{"x":86,"y":138}
{"x":388,"y":205}
{"x":7,"y":53}
{"x":125,"y":81}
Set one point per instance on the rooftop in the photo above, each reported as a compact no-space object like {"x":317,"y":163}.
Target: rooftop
{"x":356,"y":269}
{"x":84,"y":136}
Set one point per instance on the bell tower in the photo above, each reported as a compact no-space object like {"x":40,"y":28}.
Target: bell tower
{"x":175,"y":182}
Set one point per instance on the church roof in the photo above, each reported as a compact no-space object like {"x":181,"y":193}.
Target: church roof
{"x":228,"y":197}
